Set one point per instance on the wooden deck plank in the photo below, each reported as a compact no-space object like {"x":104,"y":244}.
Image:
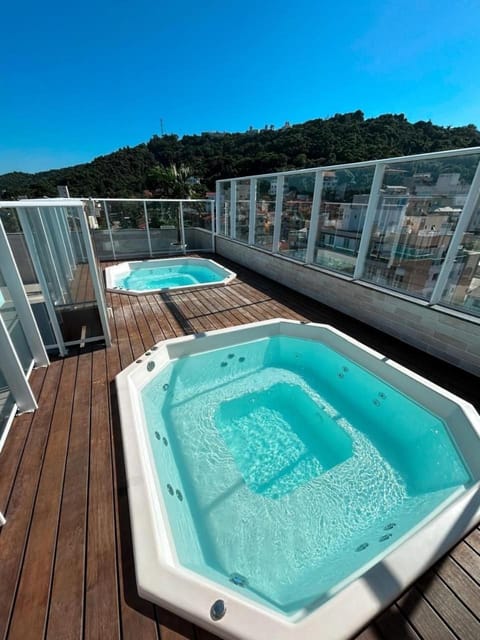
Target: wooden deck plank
{"x":136,"y":342}
{"x":423,"y":617}
{"x":159,"y":331}
{"x":460,"y":620}
{"x":395,"y":626}
{"x":101,"y":602}
{"x":137,"y":616}
{"x":473,"y":540}
{"x":14,"y":534}
{"x":179,"y":312}
{"x":461,"y":584}
{"x":32,"y":600}
{"x":142,"y":324}
{"x":67,"y":597}
{"x":75,"y":284}
{"x":121,"y":331}
{"x":167,"y":321}
{"x":468,"y":559}
{"x":11,"y":454}
{"x":171,"y":627}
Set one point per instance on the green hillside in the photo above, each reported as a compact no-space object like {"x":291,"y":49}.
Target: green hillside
{"x":343,"y":138}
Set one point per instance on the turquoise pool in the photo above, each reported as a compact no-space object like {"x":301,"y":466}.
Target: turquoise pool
{"x":287,"y":469}
{"x":167,"y":274}
{"x":166,"y":277}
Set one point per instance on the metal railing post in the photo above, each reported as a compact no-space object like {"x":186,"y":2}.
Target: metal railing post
{"x":182,"y":229}
{"x":314,"y":218}
{"x":278,"y":214}
{"x":457,"y":238}
{"x":375,"y":191}
{"x":147,"y":227}
{"x":13,"y":280}
{"x":233,"y":210}
{"x":218,"y":221}
{"x":97,"y":286}
{"x":13,"y":372}
{"x":212,"y":224}
{"x":252,"y":211}
{"x":107,"y":220}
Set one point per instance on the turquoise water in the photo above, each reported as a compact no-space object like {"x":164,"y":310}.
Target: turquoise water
{"x":285,"y":467}
{"x":165,"y":277}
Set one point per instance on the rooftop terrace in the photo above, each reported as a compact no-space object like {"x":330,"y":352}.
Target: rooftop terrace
{"x":391,"y":246}
{"x":66,"y":564}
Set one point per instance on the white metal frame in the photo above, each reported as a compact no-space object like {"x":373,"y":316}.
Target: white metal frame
{"x":212,"y":224}
{"x":369,"y":220}
{"x":314,"y":218}
{"x":13,"y":372}
{"x":12,"y":278}
{"x":278,"y":214}
{"x":97,"y":286}
{"x":147,"y":227}
{"x":252,"y":211}
{"x":233,"y":209}
{"x":462,"y":226}
{"x":182,"y":228}
{"x":107,"y":219}
{"x":62,"y":206}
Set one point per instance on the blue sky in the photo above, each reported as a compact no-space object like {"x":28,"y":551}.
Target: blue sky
{"x":79,"y":80}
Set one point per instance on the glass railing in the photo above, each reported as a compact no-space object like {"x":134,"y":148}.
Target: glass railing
{"x":409,"y":225}
{"x":143,"y":228}
{"x":295,"y":220}
{"x":61,"y":276}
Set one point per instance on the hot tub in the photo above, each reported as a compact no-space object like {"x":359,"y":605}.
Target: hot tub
{"x":286,"y":481}
{"x":167,"y":274}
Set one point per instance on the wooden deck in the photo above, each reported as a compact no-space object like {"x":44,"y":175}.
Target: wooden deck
{"x":66,"y":567}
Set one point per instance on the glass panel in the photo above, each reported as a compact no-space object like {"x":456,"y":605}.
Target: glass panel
{"x":343,"y":205}
{"x":127,"y":222}
{"x":242,"y":210}
{"x":197,"y":221}
{"x":265,"y":212}
{"x":416,"y":216}
{"x":296,"y":213}
{"x":75,"y":233}
{"x":70,"y":286}
{"x":164,"y":223}
{"x":463,"y":286}
{"x":225,"y":204}
{"x":7,"y":403}
{"x":46,"y":253}
{"x":19,"y":248}
{"x":100,"y":233}
{"x":9,"y":316}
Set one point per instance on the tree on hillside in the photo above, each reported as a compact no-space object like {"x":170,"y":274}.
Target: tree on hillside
{"x":173,"y":182}
{"x":166,"y":163}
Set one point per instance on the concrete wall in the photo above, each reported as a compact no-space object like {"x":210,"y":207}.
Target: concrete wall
{"x":449,"y":338}
{"x":198,"y":239}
